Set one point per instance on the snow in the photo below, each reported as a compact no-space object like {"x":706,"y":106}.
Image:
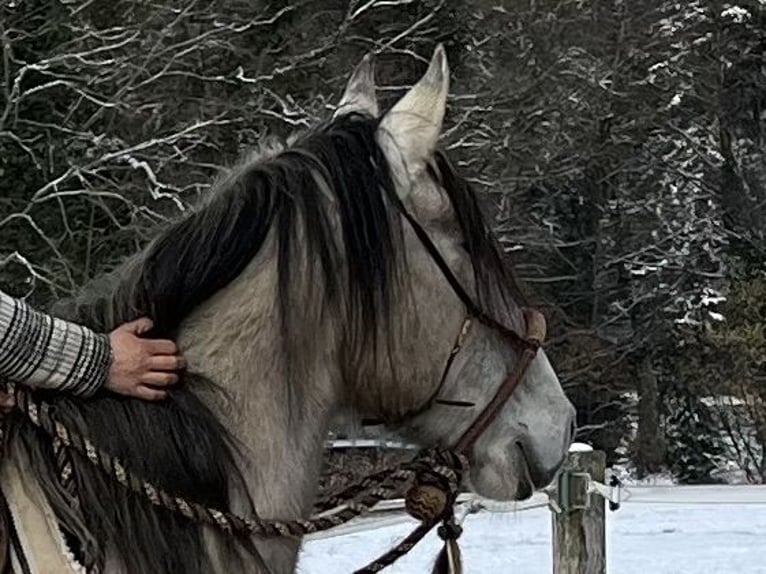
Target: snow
{"x":687,"y":532}
{"x":736,"y":13}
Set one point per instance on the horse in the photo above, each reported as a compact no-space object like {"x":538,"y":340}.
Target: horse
{"x":308,"y":282}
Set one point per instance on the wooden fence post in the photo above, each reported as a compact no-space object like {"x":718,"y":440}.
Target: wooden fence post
{"x":579,"y":530}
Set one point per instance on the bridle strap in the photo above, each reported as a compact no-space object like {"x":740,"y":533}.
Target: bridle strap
{"x":529,"y":345}
{"x":482,"y":422}
{"x":535,"y":336}
{"x":472,"y":307}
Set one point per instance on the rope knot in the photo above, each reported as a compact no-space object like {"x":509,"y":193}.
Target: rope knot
{"x":437,"y":480}
{"x":426,"y":502}
{"x":449,"y":530}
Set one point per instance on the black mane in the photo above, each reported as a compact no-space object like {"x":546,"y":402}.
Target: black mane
{"x":206,"y":249}
{"x":337,"y":170}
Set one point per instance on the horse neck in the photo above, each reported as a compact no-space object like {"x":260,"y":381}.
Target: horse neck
{"x":280,"y":416}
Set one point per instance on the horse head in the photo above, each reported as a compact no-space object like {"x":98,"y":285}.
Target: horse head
{"x":444,"y":363}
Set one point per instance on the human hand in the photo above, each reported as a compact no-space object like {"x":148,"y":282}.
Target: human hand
{"x":142,"y":368}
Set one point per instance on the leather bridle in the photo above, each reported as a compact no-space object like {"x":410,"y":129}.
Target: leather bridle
{"x":527,"y":345}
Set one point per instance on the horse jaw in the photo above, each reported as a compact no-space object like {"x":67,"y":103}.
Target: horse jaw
{"x":523,"y":449}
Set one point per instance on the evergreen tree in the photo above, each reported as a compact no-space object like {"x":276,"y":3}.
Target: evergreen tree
{"x":694,"y":445}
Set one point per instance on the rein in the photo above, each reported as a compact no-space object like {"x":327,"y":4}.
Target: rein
{"x":431,"y":480}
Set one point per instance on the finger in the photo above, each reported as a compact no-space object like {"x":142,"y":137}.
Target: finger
{"x":166,"y":362}
{"x":158,"y":379}
{"x":148,"y":393}
{"x":139,"y":326}
{"x":160,"y":347}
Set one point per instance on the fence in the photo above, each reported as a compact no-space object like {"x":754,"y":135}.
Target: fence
{"x":578,"y":503}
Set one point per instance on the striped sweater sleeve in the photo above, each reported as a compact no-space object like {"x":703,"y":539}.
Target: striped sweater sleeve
{"x":45,"y":352}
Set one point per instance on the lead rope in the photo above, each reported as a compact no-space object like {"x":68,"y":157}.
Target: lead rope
{"x":433,"y":477}
{"x":431,"y":501}
{"x":65,"y":472}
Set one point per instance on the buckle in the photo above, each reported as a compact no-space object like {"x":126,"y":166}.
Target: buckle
{"x":536,"y":326}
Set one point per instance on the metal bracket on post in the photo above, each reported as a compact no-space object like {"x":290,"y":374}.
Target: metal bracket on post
{"x":574,"y":491}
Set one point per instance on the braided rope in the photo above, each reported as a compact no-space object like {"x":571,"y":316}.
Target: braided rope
{"x":381,"y":479}
{"x":65,"y":472}
{"x":444,"y":466}
{"x":392,"y":555}
{"x":64,"y":468}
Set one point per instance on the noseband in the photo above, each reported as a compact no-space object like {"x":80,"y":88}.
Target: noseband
{"x":527,"y":346}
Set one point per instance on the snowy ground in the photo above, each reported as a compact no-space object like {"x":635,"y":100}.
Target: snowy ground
{"x":643,"y":537}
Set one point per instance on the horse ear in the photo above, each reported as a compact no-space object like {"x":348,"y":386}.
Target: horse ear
{"x":415,"y":122}
{"x":360,"y":90}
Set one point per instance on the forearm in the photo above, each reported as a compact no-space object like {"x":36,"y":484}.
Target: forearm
{"x":41,"y":351}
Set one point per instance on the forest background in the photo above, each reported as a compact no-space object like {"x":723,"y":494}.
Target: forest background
{"x":618,"y":147}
